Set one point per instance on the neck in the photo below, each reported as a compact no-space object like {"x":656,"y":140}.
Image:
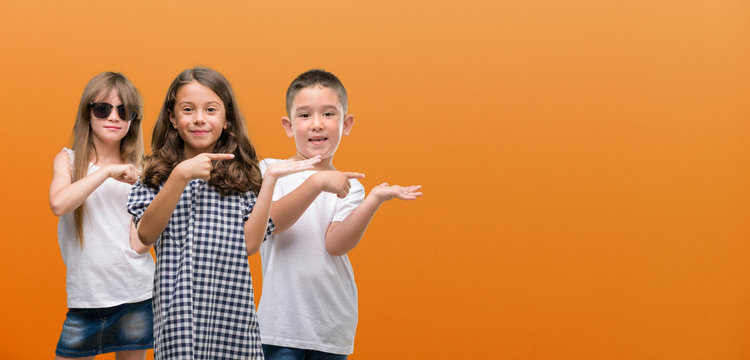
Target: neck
{"x":106,"y":153}
{"x":189,"y":153}
{"x":323,"y":167}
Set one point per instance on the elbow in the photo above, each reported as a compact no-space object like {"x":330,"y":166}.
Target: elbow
{"x":140,"y":248}
{"x":253,"y":249}
{"x":278,"y":228}
{"x":336,"y":254}
{"x":335,"y":250}
{"x":143,"y":242}
{"x":252,"y":244}
{"x":58,"y":209}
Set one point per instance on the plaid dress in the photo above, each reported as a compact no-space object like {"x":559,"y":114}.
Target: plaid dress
{"x":203,"y":292}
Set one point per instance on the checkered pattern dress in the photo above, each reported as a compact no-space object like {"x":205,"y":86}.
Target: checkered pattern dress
{"x":203,"y":292}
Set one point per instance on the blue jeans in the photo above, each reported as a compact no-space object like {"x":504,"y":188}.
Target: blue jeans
{"x":272,"y":352}
{"x":88,"y":332}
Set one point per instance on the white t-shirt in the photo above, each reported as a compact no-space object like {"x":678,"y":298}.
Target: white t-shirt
{"x":309,"y":298}
{"x":104,"y":272}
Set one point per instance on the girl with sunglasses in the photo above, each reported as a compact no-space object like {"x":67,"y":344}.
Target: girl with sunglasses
{"x":202,"y":202}
{"x":109,"y":277}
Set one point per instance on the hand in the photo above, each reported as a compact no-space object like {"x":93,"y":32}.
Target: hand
{"x":200,"y":166}
{"x":286,"y":167}
{"x":385,"y":192}
{"x":126,"y":173}
{"x":336,"y":182}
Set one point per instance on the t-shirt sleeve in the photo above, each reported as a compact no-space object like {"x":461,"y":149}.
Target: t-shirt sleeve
{"x":247,"y":208}
{"x":263,"y":165}
{"x":345,"y":206}
{"x":138,"y":200}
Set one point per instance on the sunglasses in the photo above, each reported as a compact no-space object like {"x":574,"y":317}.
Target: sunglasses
{"x":102,"y":111}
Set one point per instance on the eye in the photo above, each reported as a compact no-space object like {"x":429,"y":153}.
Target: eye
{"x":187,"y":109}
{"x":329,"y":114}
{"x":212,"y":109}
{"x":303,"y":115}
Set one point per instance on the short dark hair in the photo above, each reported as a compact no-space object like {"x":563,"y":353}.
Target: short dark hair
{"x":315,"y":77}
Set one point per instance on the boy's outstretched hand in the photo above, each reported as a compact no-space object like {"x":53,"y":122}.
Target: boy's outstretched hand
{"x":385,"y":192}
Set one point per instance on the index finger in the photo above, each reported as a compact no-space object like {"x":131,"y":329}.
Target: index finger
{"x":219,"y":156}
{"x":354,"y":175}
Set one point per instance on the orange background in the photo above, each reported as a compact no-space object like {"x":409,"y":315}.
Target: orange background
{"x":584,"y":163}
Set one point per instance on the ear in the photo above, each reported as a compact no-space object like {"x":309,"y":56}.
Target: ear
{"x":226,"y":124}
{"x":348,"y":124}
{"x":172,"y":119}
{"x":287,"y":125}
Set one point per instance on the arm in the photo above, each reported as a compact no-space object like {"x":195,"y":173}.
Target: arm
{"x":65,"y":195}
{"x":256,"y":225}
{"x":157,"y":214}
{"x":287,"y":210}
{"x":136,"y":243}
{"x":343,"y":236}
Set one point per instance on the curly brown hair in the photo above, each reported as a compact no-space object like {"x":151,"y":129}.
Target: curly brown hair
{"x":236,"y":176}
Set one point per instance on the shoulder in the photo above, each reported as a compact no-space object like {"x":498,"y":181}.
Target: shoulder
{"x":269,"y":161}
{"x":66,"y":154}
{"x":64,"y":158}
{"x":355,"y":186}
{"x":139,"y":190}
{"x":263,"y":164}
{"x":356,"y":193}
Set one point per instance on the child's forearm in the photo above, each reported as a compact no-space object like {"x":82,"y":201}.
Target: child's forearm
{"x":257,"y":224}
{"x":287,"y":210}
{"x":157,"y":214}
{"x":343,"y":236}
{"x":70,"y":197}
{"x":64,"y":195}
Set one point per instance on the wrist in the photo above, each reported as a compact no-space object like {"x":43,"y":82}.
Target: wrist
{"x":269,"y":178}
{"x":107,"y":169}
{"x":316,"y":182}
{"x":179,"y":174}
{"x":375,"y":199}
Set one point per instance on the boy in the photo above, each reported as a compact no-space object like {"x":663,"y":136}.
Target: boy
{"x":308,"y":307}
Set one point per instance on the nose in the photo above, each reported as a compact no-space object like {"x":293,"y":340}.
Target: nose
{"x":317,"y":123}
{"x":113,"y":115}
{"x":198,"y":117}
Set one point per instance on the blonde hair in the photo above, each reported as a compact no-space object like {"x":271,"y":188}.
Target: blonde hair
{"x":131,"y":146}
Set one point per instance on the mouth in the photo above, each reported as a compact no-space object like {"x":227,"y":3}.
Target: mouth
{"x":199,"y":132}
{"x":317,"y":140}
{"x":112,"y":128}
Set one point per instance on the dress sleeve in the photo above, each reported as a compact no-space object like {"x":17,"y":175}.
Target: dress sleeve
{"x":247,"y":208}
{"x":138,"y":200}
{"x":345,"y":206}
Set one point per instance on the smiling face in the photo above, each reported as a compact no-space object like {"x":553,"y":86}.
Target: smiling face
{"x":112,"y":129}
{"x":317,"y":124}
{"x":199,"y":116}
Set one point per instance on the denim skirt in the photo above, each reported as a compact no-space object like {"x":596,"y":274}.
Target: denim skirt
{"x":88,"y":332}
